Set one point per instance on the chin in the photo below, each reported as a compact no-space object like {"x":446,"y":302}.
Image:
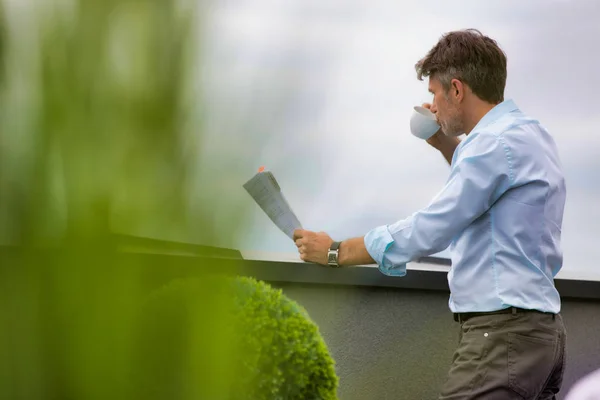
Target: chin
{"x":447,"y":132}
{"x":452,"y":132}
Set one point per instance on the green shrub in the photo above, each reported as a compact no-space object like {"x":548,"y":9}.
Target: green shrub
{"x":266,"y":345}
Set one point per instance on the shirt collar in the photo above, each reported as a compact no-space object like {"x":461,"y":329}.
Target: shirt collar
{"x":499,"y":110}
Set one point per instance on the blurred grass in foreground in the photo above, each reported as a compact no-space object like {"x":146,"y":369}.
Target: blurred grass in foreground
{"x":95,"y":136}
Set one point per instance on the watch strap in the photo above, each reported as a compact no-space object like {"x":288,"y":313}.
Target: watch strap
{"x":335,"y":246}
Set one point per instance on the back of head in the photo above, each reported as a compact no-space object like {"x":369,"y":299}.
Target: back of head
{"x":470,"y":57}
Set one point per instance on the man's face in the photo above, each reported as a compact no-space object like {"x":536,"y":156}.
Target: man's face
{"x":446,"y":109}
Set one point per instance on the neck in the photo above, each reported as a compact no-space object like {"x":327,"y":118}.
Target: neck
{"x":479,"y":110}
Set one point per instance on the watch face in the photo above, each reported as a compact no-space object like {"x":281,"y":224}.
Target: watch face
{"x":332,"y":257}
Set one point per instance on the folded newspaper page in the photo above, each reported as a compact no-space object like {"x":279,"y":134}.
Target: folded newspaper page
{"x":265,"y":191}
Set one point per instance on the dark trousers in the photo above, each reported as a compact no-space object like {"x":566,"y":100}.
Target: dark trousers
{"x":516,"y":355}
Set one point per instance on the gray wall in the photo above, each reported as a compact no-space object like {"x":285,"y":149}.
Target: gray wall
{"x":393,"y":343}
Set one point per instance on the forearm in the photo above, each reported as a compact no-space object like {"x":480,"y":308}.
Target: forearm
{"x":448,"y":148}
{"x":354,"y":252}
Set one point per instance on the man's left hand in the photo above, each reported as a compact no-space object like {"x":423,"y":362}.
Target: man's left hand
{"x":312,"y":246}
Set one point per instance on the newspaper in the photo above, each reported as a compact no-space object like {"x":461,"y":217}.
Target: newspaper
{"x":265,"y":191}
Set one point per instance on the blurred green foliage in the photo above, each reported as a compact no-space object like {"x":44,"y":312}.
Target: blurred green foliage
{"x":92,"y":136}
{"x":280,"y":352}
{"x":98,"y":130}
{"x":285,"y":356}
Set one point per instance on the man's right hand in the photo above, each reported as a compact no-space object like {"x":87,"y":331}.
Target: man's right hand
{"x":440,"y":141}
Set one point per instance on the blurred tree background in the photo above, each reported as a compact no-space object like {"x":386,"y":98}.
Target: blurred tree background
{"x":95,"y":139}
{"x":99,"y":127}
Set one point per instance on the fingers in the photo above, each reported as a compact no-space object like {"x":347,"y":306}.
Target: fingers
{"x":299,"y":234}
{"x":426,"y":105}
{"x":302,"y":252}
{"x":308,"y":244}
{"x":302,"y":234}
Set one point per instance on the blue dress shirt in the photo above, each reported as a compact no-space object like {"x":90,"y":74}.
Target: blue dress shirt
{"x":500,"y":212}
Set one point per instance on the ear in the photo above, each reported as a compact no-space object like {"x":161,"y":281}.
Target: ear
{"x":457,"y":90}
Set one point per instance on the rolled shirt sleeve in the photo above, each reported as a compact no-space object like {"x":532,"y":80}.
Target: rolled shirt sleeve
{"x":480,"y":174}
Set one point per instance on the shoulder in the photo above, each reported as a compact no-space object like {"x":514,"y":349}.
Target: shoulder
{"x":517,"y":133}
{"x":517,"y":128}
{"x":483,"y":141}
{"x":511,"y":121}
{"x":501,"y":143}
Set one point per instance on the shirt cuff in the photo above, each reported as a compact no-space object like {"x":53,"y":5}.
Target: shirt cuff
{"x":377,"y":242}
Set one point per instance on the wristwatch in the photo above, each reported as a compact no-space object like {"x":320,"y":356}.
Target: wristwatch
{"x":332,"y":254}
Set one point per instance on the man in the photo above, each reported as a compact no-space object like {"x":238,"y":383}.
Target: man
{"x":500,"y":212}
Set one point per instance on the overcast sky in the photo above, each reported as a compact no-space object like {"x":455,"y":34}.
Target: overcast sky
{"x":321,"y":92}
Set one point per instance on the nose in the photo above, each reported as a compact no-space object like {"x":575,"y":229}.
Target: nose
{"x":433,"y":108}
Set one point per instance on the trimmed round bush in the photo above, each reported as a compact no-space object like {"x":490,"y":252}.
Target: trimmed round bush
{"x":231,"y":338}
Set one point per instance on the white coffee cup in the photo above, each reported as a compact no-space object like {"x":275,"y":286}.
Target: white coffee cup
{"x":423,"y":123}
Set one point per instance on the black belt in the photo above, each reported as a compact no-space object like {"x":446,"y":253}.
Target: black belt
{"x":462,"y":317}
